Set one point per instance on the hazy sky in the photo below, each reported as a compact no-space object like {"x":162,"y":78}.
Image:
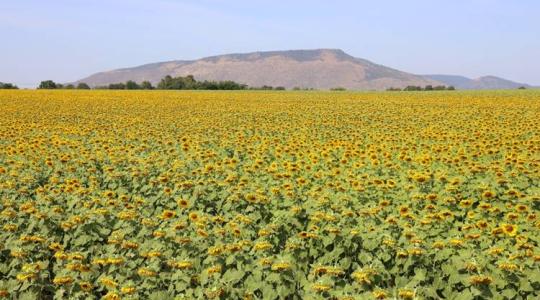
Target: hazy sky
{"x":65,"y":40}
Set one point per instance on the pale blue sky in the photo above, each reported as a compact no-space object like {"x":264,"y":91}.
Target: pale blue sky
{"x":65,"y":40}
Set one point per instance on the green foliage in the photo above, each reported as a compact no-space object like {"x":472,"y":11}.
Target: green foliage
{"x":48,"y":85}
{"x":427,"y":88}
{"x":83,"y":86}
{"x":117,"y":86}
{"x":7,"y":86}
{"x":146,"y":85}
{"x":132,"y":85}
{"x":189,"y":83}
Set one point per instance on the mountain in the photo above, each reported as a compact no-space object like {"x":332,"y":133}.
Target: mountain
{"x":481,"y":83}
{"x":319,"y":69}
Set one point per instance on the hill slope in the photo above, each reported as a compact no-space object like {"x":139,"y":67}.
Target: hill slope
{"x":320,"y":69}
{"x":481,"y":83}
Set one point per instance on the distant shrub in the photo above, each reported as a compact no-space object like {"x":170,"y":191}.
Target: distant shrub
{"x":83,"y":86}
{"x":48,"y":85}
{"x":7,"y":86}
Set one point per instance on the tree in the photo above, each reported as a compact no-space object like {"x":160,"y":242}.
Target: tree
{"x":169,"y":83}
{"x":8,"y":86}
{"x":146,"y":85}
{"x":117,"y":86}
{"x":83,"y":86}
{"x":47,"y":85}
{"x":428,"y":87}
{"x":412,"y":88}
{"x":69,"y":86}
{"x":522,"y":88}
{"x":131,"y":85}
{"x":338,"y":89}
{"x":451,"y":88}
{"x":190,"y":83}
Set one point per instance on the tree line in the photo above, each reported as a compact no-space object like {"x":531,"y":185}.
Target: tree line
{"x":167,"y":83}
{"x":426,"y":88}
{"x":51,"y":85}
{"x":7,"y":86}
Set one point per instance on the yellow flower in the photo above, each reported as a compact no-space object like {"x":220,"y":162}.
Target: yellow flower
{"x":63,"y":280}
{"x":320,"y":288}
{"x":214,"y":269}
{"x":182,"y":265}
{"x":167,"y":214}
{"x":281,"y":266}
{"x":26,"y":276}
{"x":480,"y":280}
{"x":145,"y":272}
{"x":508,"y":266}
{"x":261,"y":246}
{"x":509,"y":229}
{"x":488,"y":194}
{"x":128,"y":290}
{"x":111,"y":296}
{"x":183,"y":203}
{"x":404,"y":210}
{"x":86,"y":286}
{"x":380,"y":294}
{"x":406,"y":294}
{"x":215,"y":250}
{"x":193,"y":216}
{"x":108,"y":282}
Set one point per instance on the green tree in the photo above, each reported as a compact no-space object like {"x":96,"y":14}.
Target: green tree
{"x":83,"y":86}
{"x":131,"y":85}
{"x":47,"y":85}
{"x":146,"y":85}
{"x":8,"y":86}
{"x":117,"y":86}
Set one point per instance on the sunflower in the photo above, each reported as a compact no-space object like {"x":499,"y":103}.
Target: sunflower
{"x":522,"y":208}
{"x":380,"y":294}
{"x":86,"y":286}
{"x":509,"y":229}
{"x":480,"y":280}
{"x":488,"y":194}
{"x":193,"y":216}
{"x":281,"y":266}
{"x":183,"y":203}
{"x":62,"y":280}
{"x":406,"y":294}
{"x":404,"y":210}
{"x":128,"y":290}
{"x":465,"y":203}
{"x":145,"y":272}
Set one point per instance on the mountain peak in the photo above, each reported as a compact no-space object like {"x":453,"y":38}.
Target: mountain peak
{"x":323,"y":68}
{"x":296,"y":55}
{"x":488,"y":82}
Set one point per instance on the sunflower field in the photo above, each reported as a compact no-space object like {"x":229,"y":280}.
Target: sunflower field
{"x":269,"y":195}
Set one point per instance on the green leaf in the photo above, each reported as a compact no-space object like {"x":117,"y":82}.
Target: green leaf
{"x":525,"y":285}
